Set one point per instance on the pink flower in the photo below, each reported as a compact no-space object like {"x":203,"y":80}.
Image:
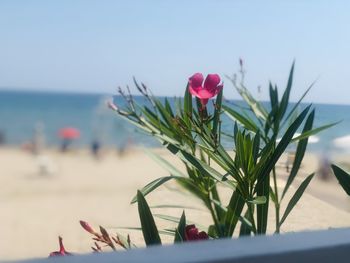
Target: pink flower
{"x":62,"y":251}
{"x":192,"y":234}
{"x":211,"y":87}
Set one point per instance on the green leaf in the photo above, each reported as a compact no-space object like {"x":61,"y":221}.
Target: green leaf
{"x":217,"y":112}
{"x":343,"y":178}
{"x":149,"y":228}
{"x":166,"y":115}
{"x":268,"y":162}
{"x":259,"y":200}
{"x":246,"y":225}
{"x":234,"y":210}
{"x":151,"y":186}
{"x":295,"y":198}
{"x":215,"y":196}
{"x":203,"y":168}
{"x":180,"y":230}
{"x":285,"y":98}
{"x":168,"y":108}
{"x":273,"y":96}
{"x":273,"y":196}
{"x":299,"y":154}
{"x":256,"y":147}
{"x":165,"y":164}
{"x":258,"y":109}
{"x":247,"y":123}
{"x":188,"y":108}
{"x":212,"y":231}
{"x":309,"y":133}
{"x":263,"y":190}
{"x":296,"y":105}
{"x":192,"y":187}
{"x":175,"y":219}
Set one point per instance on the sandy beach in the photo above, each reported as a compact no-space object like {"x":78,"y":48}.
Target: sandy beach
{"x":36,"y":208}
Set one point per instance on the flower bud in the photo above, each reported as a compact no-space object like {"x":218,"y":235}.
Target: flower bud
{"x":62,"y":251}
{"x":87,"y":227}
{"x":112,"y":106}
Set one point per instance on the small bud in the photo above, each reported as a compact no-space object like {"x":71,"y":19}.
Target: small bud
{"x":62,"y":251}
{"x":112,"y":106}
{"x":87,"y":227}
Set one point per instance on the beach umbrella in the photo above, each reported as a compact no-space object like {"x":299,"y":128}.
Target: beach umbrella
{"x":312,"y":138}
{"x":69,"y":133}
{"x":342,"y":142}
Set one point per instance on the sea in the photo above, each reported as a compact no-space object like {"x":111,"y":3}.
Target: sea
{"x":22,"y":112}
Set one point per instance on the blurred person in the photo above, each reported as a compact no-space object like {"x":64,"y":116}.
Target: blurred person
{"x":38,"y":140}
{"x":324,"y":170}
{"x":2,"y":137}
{"x":95,"y":148}
{"x":68,"y":134}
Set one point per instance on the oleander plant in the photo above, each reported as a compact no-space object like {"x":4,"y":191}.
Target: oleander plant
{"x":191,"y":129}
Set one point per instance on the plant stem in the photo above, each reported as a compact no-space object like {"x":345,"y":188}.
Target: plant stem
{"x":213,"y":215}
{"x":251,"y":215}
{"x":277,"y":204}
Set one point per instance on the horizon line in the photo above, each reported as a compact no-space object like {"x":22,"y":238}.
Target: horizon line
{"x":16,"y":89}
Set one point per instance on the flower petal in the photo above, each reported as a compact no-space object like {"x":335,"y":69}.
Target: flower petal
{"x":211,"y":82}
{"x":203,"y":236}
{"x":194,"y":91}
{"x":196,"y":81}
{"x":206,"y":94}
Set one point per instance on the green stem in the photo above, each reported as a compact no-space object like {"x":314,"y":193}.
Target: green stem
{"x":251,"y":215}
{"x":213,"y":215}
{"x":277,"y":204}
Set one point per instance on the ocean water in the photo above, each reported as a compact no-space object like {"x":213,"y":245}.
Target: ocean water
{"x":21,"y":112}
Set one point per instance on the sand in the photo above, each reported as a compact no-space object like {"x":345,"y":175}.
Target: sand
{"x":38,"y":206}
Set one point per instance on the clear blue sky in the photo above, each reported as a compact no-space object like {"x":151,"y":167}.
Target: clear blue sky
{"x":94,"y":46}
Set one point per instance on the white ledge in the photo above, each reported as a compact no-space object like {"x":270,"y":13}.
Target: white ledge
{"x":319,"y":246}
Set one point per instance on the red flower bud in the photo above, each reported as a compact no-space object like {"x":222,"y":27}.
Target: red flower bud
{"x":87,"y":227}
{"x":192,"y":234}
{"x":62,"y":251}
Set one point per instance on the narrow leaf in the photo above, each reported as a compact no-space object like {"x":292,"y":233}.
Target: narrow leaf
{"x":180,"y":230}
{"x":314,"y":131}
{"x":285,"y":98}
{"x":259,"y":200}
{"x":246,"y":226}
{"x":343,"y":178}
{"x":262,"y":210}
{"x":294,"y":200}
{"x":247,"y":123}
{"x":217,"y":112}
{"x":151,"y":186}
{"x":299,"y":154}
{"x":188,"y":108}
{"x":234,"y":211}
{"x":149,"y":228}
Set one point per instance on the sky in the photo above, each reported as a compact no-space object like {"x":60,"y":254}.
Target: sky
{"x":96,"y":46}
